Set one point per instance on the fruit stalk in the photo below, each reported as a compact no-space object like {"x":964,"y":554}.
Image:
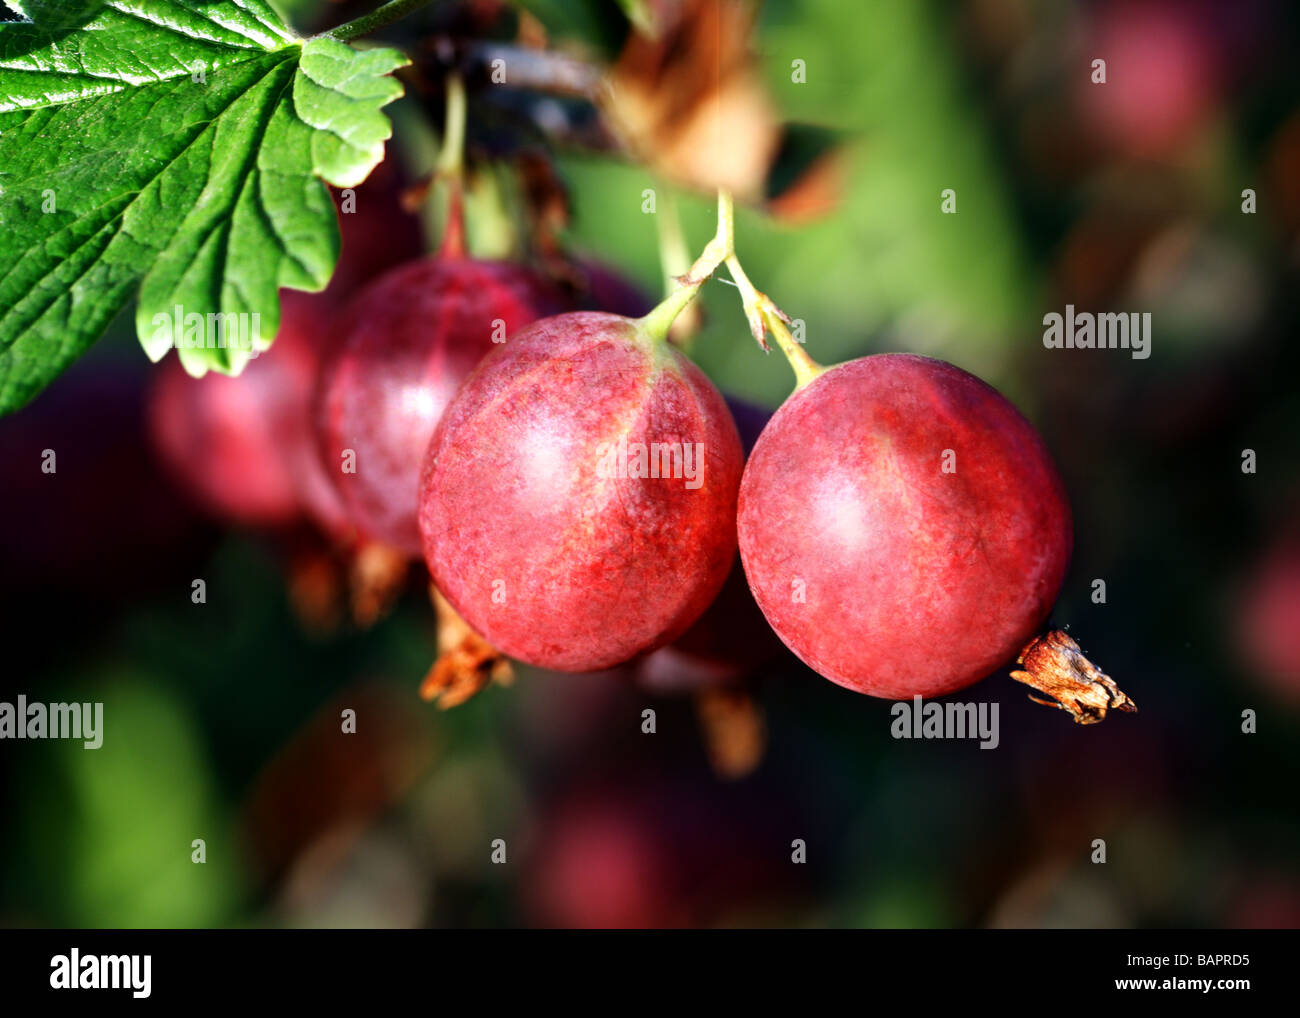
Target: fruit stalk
{"x":761,"y":312}
{"x":451,"y":157}
{"x":450,"y":169}
{"x":660,"y":320}
{"x":720,"y":248}
{"x":675,"y":260}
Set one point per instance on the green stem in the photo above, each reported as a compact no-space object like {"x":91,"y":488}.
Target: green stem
{"x":449,"y":171}
{"x":723,"y":244}
{"x":675,"y":263}
{"x":763,"y":314}
{"x":451,"y":158}
{"x":385,"y":15}
{"x":660,"y":320}
{"x":674,"y":255}
{"x":806,"y":370}
{"x":657,"y":323}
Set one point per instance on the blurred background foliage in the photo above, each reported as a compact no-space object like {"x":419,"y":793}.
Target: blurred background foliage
{"x":224,"y":718}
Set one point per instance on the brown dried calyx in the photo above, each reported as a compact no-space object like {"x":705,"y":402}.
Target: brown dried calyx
{"x":1054,"y":664}
{"x":466,"y":663}
{"x":735,"y":733}
{"x":376,"y":578}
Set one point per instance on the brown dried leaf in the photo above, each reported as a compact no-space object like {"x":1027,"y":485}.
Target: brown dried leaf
{"x":466,"y":663}
{"x":1055,"y":665}
{"x":690,"y":103}
{"x":816,"y":194}
{"x":735,"y":734}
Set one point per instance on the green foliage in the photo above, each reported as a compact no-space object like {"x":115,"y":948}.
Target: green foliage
{"x":108,"y":832}
{"x":952,"y":285}
{"x":173,"y":148}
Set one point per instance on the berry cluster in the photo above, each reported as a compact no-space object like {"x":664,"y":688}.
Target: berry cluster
{"x":578,"y":488}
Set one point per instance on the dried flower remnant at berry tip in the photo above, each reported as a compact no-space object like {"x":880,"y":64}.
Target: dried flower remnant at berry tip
{"x":466,"y":663}
{"x":377,"y":574}
{"x":1055,"y":665}
{"x":735,"y":733}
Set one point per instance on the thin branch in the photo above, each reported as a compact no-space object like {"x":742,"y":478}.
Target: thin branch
{"x":385,"y":15}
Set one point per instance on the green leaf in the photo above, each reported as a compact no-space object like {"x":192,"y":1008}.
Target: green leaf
{"x":173,"y":149}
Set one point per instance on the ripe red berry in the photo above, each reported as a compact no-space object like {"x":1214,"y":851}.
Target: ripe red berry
{"x":407,"y":341}
{"x":301,"y":347}
{"x":242,"y":445}
{"x":546,"y":522}
{"x":902,"y":526}
{"x":730,"y":641}
{"x":246,"y":445}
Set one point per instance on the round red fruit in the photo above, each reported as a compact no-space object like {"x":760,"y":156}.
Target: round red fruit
{"x":902,"y":526}
{"x":730,"y":641}
{"x":242,"y":445}
{"x":407,"y":341}
{"x":579,"y":496}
